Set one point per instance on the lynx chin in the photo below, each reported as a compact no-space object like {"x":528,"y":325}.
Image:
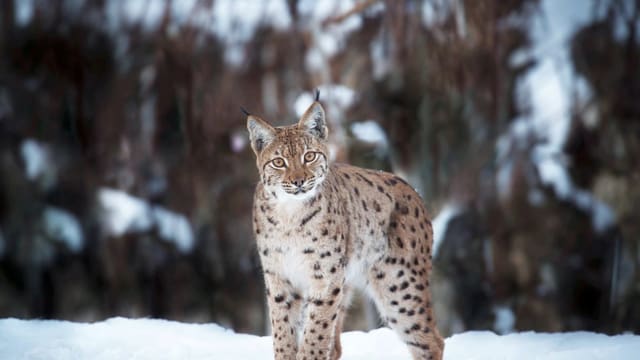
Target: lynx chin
{"x":325,"y":229}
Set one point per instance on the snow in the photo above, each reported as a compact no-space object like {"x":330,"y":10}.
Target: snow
{"x":123,"y":213}
{"x":503,"y":179}
{"x":141,"y":339}
{"x":147,"y":13}
{"x":174,"y":227}
{"x":369,"y":131}
{"x":334,"y":96}
{"x":551,"y":86}
{"x":555,"y":175}
{"x":35,"y":157}
{"x":546,"y":94}
{"x":549,"y":101}
{"x":23,"y":11}
{"x":380,"y":53}
{"x":548,"y":284}
{"x":441,"y":222}
{"x":505,"y":319}
{"x":530,"y":345}
{"x":236,"y":21}
{"x":62,"y":226}
{"x":435,"y":12}
{"x":39,"y":166}
{"x":602,"y":215}
{"x":327,"y":40}
{"x":302,"y":103}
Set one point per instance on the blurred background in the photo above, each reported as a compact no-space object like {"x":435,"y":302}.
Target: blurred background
{"x":126,"y":178}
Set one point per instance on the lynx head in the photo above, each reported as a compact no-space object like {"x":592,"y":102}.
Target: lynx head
{"x":292,"y":160}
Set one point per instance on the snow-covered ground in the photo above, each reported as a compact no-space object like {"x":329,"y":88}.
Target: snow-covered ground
{"x":141,"y":339}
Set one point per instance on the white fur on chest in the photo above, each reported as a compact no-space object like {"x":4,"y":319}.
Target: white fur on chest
{"x":289,"y":260}
{"x":294,"y":269}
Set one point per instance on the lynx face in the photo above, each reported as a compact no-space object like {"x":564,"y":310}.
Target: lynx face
{"x":292,"y":160}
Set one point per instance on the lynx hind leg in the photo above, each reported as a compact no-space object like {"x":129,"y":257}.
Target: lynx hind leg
{"x":400,"y":287}
{"x":407,"y":309}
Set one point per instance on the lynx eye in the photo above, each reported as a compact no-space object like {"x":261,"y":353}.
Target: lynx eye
{"x":278,"y":163}
{"x":310,"y":156}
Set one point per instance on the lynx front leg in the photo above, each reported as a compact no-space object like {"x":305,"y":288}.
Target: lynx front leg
{"x":320,"y":323}
{"x":337,"y":345}
{"x":284,"y":311}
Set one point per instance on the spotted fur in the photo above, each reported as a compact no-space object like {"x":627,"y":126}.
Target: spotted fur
{"x":323,"y":229}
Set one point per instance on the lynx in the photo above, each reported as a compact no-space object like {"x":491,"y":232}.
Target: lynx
{"x":324,"y":229}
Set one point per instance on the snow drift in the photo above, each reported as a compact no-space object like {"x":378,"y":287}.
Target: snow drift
{"x":140,"y":339}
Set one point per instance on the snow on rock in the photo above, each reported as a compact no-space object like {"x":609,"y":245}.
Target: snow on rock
{"x":142,"y":339}
{"x":441,"y":222}
{"x":62,"y":226}
{"x":123,"y":213}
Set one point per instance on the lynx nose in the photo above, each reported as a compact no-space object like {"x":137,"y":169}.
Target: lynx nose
{"x":298,"y":182}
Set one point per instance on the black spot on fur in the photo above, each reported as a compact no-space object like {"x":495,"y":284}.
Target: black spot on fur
{"x":310,"y":216}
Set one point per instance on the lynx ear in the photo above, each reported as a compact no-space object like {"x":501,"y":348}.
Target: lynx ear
{"x":260,"y":133}
{"x":314,"y":121}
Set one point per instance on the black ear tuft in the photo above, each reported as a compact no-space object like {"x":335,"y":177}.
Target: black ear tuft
{"x":317,"y":94}
{"x":244,"y":111}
